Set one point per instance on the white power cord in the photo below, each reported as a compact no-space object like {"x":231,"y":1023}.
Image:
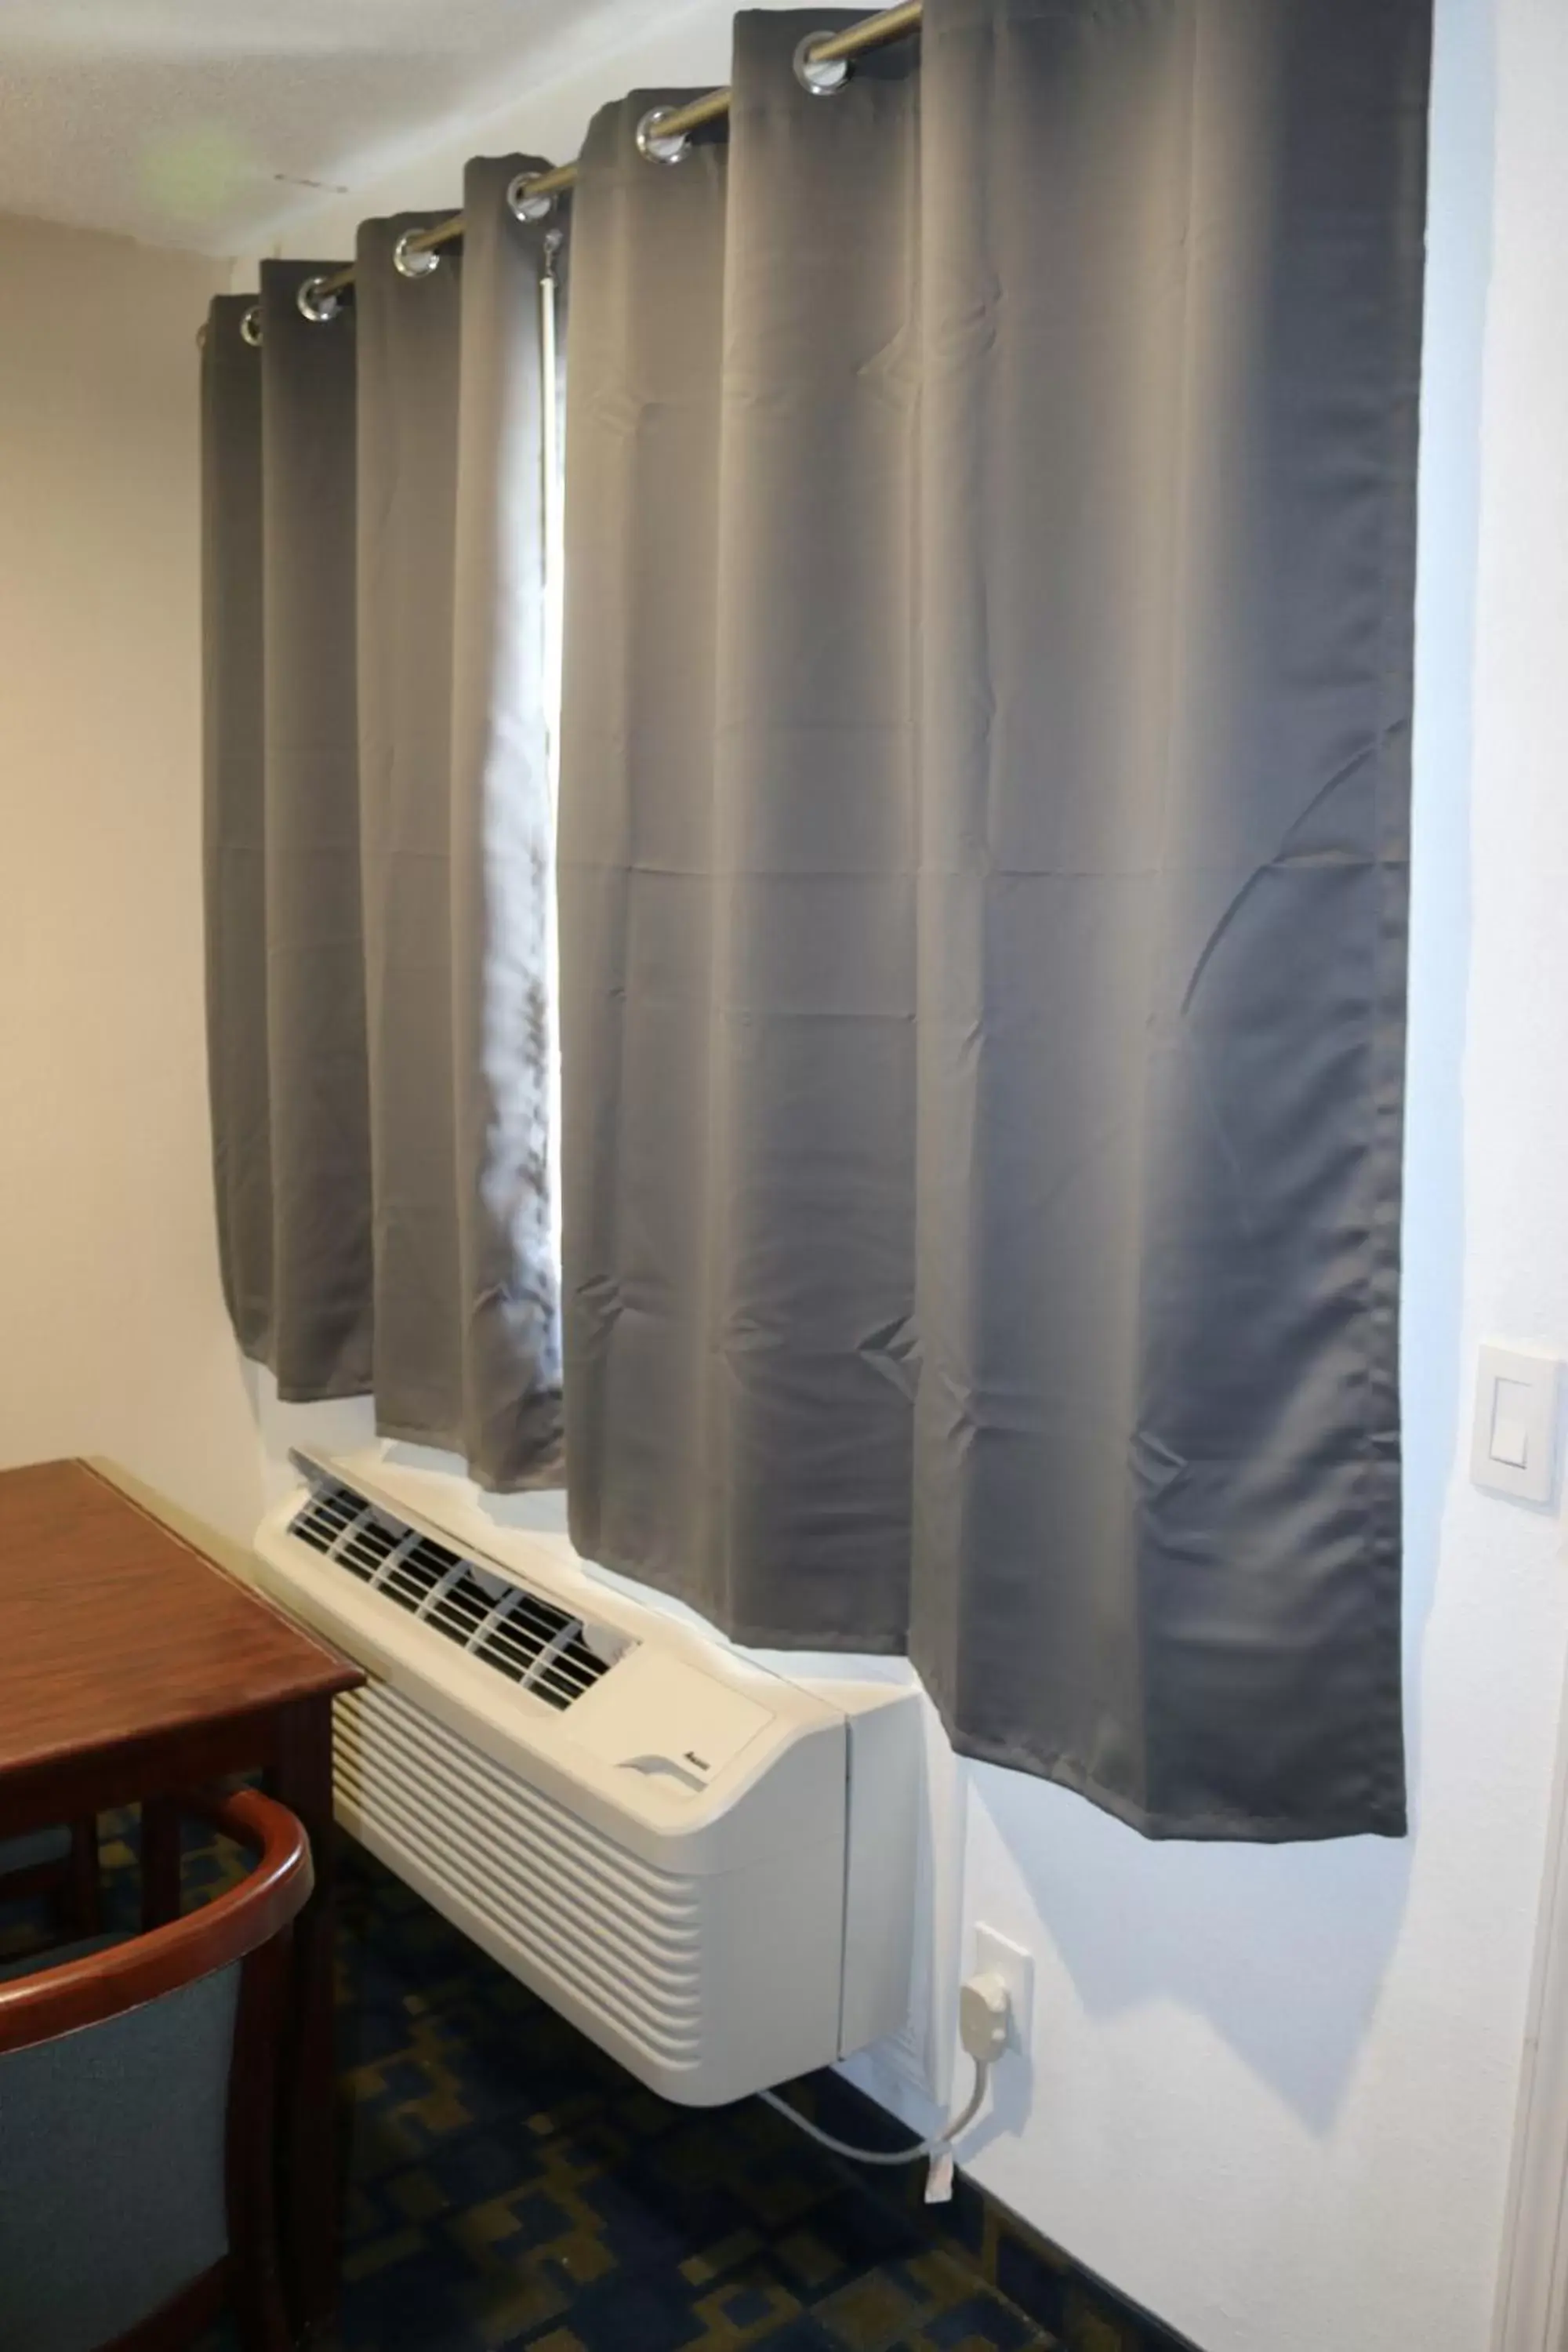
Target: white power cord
{"x":936,"y":2145}
{"x":985,"y":2020}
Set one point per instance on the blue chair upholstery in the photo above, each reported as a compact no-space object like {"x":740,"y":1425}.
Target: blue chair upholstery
{"x":111,"y":2168}
{"x":137,"y":2115}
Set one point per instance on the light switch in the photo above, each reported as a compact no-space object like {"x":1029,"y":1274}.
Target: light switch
{"x":1511,"y":1423}
{"x":1515,"y":1448}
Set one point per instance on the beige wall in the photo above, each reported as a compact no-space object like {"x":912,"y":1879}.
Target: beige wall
{"x":113,"y":1332}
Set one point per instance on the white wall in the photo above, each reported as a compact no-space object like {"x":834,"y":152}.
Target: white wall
{"x":112,"y":1333}
{"x":1273,"y":2090}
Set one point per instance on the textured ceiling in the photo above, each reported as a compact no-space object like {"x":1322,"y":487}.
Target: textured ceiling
{"x":209,"y":122}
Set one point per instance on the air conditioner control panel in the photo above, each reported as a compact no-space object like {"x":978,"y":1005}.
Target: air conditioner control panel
{"x":659,"y":1716}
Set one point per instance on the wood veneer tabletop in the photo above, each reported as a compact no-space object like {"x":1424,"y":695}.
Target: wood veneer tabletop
{"x":112,"y":1628}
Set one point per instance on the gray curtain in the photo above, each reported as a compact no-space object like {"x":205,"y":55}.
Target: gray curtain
{"x":990,"y":519}
{"x":379,"y":841}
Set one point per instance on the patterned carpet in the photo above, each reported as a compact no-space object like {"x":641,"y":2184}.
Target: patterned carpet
{"x":512,"y":2185}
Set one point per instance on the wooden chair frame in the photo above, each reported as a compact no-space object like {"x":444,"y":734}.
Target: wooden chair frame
{"x":247,"y":1925}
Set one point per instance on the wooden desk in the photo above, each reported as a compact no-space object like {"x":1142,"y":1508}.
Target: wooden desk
{"x":133,"y":1668}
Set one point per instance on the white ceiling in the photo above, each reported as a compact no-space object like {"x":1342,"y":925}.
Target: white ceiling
{"x":209,"y":124}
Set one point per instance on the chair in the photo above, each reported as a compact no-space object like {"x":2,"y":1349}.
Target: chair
{"x":61,"y":1863}
{"x":137,"y":2095}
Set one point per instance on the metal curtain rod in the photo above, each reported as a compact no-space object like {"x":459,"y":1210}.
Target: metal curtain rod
{"x":662,"y":136}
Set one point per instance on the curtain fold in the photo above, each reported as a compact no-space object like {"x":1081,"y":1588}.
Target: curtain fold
{"x":407,"y":331}
{"x":505,"y":1050}
{"x":234,"y":819}
{"x":990,"y":519}
{"x":379,"y":846}
{"x":635,"y":900}
{"x":319,"y":1343}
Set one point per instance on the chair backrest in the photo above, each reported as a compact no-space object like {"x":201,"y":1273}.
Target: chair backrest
{"x":136,"y":2105}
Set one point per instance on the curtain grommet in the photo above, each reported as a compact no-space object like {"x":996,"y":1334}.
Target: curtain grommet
{"x":315,"y":304}
{"x":821,"y":76}
{"x":656,"y":146}
{"x":411,"y":260}
{"x":524,"y":205}
{"x":250,"y":326}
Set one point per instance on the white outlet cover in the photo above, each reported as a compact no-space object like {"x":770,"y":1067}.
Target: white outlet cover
{"x":997,"y":1955}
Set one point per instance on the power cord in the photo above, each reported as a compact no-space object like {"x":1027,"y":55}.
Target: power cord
{"x":984,"y":2022}
{"x":936,"y":2145}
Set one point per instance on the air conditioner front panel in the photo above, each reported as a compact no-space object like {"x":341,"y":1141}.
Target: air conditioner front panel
{"x":705,"y":1987}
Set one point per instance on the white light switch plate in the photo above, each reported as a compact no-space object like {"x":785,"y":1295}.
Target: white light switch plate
{"x":997,"y":1955}
{"x":1514,"y":1449}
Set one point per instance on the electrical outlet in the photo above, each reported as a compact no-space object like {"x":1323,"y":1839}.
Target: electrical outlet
{"x":996,"y":1955}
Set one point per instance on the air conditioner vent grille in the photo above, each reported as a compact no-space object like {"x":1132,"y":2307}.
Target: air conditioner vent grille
{"x":501,"y":1625}
{"x":366,"y":1545}
{"x":326,"y":1517}
{"x":412,"y":1576}
{"x":461,"y":1610}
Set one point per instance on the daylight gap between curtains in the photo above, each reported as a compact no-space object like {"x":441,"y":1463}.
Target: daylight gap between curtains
{"x":982,"y":877}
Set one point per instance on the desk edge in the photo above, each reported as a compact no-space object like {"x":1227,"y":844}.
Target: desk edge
{"x":228,"y":1559}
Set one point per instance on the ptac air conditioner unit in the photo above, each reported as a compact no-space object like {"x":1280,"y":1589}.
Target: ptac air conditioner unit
{"x":707,"y":1867}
